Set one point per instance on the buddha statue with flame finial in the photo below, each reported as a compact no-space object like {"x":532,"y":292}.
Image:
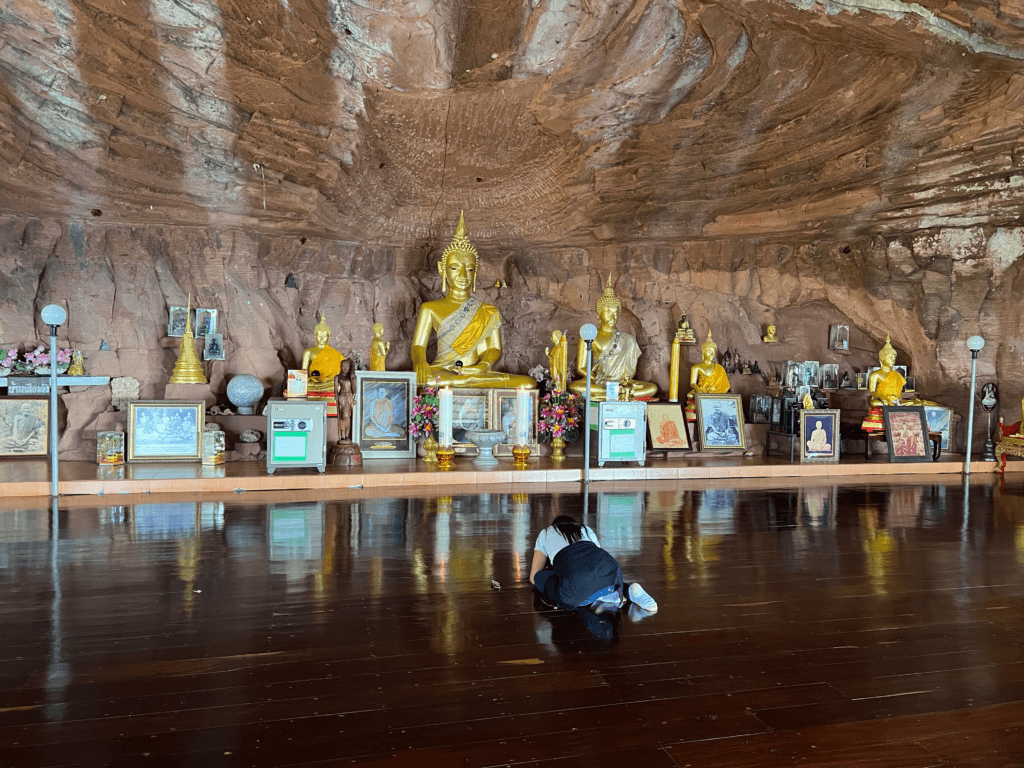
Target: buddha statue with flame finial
{"x":323,"y":363}
{"x":706,"y":377}
{"x":615,"y":354}
{"x":468,"y":330}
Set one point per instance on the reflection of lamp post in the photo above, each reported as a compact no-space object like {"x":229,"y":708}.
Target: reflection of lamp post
{"x":975,"y":344}
{"x":588,"y":333}
{"x":53,"y":315}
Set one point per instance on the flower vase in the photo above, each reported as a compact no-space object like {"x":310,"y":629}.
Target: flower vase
{"x":430,"y":449}
{"x":557,"y":446}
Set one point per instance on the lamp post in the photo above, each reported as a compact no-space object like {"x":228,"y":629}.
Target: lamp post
{"x":588,"y":333}
{"x":975,"y":344}
{"x":53,"y":315}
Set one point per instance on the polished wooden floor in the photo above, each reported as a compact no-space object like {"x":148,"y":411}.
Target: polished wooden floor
{"x":865,"y":624}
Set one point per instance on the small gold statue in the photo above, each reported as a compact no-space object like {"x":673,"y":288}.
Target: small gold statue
{"x":706,"y":376}
{"x":76,"y":369}
{"x":323,"y":363}
{"x":187,"y":369}
{"x":558,"y":358}
{"x":627,"y":390}
{"x":615,"y":354}
{"x":808,"y":403}
{"x":886,"y":385}
{"x":468,"y":330}
{"x":685,"y":333}
{"x":770,"y":338}
{"x":378,"y":348}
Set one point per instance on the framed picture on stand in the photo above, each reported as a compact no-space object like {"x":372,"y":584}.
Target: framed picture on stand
{"x":165,"y":430}
{"x":380,"y":423}
{"x":666,"y":427}
{"x":720,"y":422}
{"x":906,"y":429}
{"x":819,"y":436}
{"x":940,"y":419}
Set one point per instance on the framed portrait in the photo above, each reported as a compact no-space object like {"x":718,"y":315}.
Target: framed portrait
{"x":176,"y":321}
{"x":502,"y":416}
{"x":794,"y":371}
{"x":206,"y":322}
{"x":380,"y":423}
{"x":24,"y":426}
{"x":839,"y":338}
{"x":470,"y":410}
{"x":809,"y":374}
{"x":940,"y":419}
{"x":666,"y":427}
{"x":165,"y":430}
{"x":819,"y":436}
{"x":830,"y":376}
{"x":776,"y":418}
{"x":760,"y":411}
{"x":214,"y":348}
{"x":907,"y":431}
{"x":720,"y":422}
{"x":862,"y":380}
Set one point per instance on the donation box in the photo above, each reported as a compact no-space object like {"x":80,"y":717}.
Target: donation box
{"x":621,"y":431}
{"x":296,"y":434}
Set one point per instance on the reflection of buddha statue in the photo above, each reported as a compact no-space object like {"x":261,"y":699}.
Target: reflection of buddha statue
{"x":615,"y":354}
{"x":707,"y":376}
{"x":770,"y":337}
{"x":322,"y":362}
{"x":468,"y":331}
{"x":885,"y":386}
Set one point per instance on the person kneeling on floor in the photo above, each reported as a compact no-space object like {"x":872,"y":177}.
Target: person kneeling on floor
{"x":580,"y":573}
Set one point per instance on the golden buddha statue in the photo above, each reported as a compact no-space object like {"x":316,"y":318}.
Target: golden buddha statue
{"x":770,"y":337}
{"x":378,"y":348}
{"x":468,"y":330}
{"x":707,"y":376}
{"x":886,"y":386}
{"x":615,"y":354}
{"x":558,"y":358}
{"x":322,"y":363}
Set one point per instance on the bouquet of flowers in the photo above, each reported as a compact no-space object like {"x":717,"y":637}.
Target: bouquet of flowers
{"x":560,"y":413}
{"x":38,"y":358}
{"x":9,"y":358}
{"x":423,"y":420}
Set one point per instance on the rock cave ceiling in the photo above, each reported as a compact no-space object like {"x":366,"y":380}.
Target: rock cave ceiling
{"x":552,"y":122}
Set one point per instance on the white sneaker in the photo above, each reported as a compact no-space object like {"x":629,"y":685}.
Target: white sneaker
{"x":642,"y":599}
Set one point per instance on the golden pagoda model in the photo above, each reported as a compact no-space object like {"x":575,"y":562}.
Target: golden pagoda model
{"x":187,"y":369}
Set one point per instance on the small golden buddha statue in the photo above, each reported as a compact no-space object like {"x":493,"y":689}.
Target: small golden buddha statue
{"x":684,"y":332}
{"x":76,"y":368}
{"x":378,"y":348}
{"x":707,"y":376}
{"x":886,"y":385}
{"x":322,"y":363}
{"x":770,"y":337}
{"x":615,"y":354}
{"x":468,"y":330}
{"x":558,"y":358}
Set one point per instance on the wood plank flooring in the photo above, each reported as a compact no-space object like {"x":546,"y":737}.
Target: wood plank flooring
{"x":815,"y":625}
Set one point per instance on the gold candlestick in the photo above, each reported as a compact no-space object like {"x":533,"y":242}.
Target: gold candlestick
{"x":520,"y":456}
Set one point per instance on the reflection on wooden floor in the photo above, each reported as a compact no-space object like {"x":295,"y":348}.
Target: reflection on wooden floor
{"x":861,"y":624}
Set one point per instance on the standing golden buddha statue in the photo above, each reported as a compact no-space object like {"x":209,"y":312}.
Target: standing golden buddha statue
{"x":378,"y":348}
{"x":468,"y":330}
{"x":322,"y":363}
{"x":706,"y":377}
{"x":615,"y":354}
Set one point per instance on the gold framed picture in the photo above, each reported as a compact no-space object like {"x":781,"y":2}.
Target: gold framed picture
{"x":666,"y":427}
{"x":720,"y":422}
{"x":165,"y":430}
{"x":503,"y":418}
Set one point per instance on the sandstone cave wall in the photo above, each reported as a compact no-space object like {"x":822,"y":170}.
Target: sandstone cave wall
{"x":930,"y":291}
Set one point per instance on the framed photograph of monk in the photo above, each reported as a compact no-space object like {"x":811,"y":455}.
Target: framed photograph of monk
{"x":906,"y":428}
{"x":666,"y":427}
{"x":819,"y":436}
{"x":380,"y":423}
{"x":720,"y":422}
{"x":24,"y":423}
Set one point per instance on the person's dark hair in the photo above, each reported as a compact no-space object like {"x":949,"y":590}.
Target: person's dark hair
{"x":569,"y":528}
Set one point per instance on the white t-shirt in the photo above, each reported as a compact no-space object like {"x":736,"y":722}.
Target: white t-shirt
{"x":550,"y":541}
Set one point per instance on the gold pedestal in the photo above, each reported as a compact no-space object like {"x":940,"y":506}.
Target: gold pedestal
{"x":557,"y":446}
{"x":520,"y":455}
{"x":445,"y":457}
{"x":430,"y":447}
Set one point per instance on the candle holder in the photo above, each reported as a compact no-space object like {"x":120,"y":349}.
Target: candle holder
{"x":445,"y":457}
{"x":520,"y":455}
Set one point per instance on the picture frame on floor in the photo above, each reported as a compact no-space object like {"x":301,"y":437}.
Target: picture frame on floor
{"x":906,"y":431}
{"x":666,"y":428}
{"x":165,"y":430}
{"x":380,"y":423}
{"x":24,"y":426}
{"x":502,"y":416}
{"x":720,"y":422}
{"x":819,"y":436}
{"x":940,"y":419}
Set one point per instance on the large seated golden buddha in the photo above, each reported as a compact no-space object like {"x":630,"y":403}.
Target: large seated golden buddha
{"x":468,"y":330}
